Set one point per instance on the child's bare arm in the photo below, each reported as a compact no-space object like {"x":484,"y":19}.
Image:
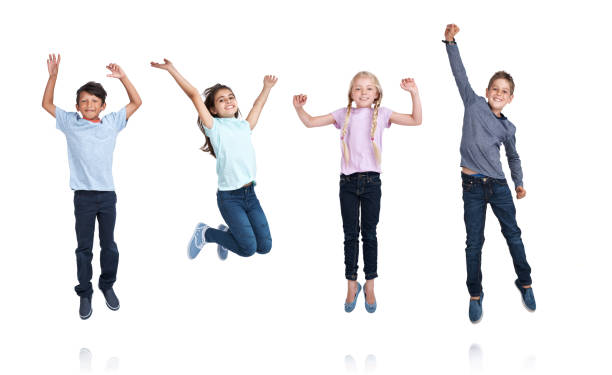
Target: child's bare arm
{"x":135,"y":101}
{"x":191,"y":92}
{"x":308,"y":120}
{"x":269,"y":82}
{"x":53,"y":67}
{"x":416,"y":118}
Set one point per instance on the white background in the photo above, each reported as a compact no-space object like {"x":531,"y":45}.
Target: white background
{"x":282,"y":313}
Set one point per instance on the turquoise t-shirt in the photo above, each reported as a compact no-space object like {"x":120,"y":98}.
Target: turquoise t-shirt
{"x":231,"y":140}
{"x":90,"y":148}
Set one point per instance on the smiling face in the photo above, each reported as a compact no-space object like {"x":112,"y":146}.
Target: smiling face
{"x":90,"y":106}
{"x":225,"y":104}
{"x":499,"y":94}
{"x":364,"y":91}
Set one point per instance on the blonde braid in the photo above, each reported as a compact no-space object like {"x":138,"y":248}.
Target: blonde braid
{"x":373,"y":130}
{"x":345,"y":150}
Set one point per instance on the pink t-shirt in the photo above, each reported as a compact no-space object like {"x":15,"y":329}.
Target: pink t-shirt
{"x":361,"y":152}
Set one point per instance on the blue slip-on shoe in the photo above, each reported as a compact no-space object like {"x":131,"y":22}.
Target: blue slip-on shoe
{"x":348,"y":307}
{"x":221,"y":251}
{"x":112,"y":302}
{"x":85,"y":308}
{"x":369,"y":308}
{"x":526,"y":296}
{"x":197,"y":240}
{"x":476,"y":309}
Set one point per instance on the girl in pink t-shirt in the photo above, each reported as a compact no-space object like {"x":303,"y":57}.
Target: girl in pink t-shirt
{"x":361,"y":142}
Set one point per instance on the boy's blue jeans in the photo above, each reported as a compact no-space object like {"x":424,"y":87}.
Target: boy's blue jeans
{"x":89,"y":205}
{"x":477,"y":192}
{"x":360,"y":190}
{"x":248,"y":231}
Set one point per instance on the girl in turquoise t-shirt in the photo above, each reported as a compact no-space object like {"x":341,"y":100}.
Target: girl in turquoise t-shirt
{"x":228,"y":139}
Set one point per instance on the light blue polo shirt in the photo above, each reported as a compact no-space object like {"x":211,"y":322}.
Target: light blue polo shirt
{"x":231,"y":140}
{"x":90,"y":148}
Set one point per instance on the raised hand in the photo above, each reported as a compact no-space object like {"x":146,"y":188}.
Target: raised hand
{"x":299,"y":100}
{"x":450,"y":32}
{"x":270,"y":81}
{"x":53,"y":64}
{"x":408,"y":84}
{"x":520,"y":192}
{"x":115,"y":71}
{"x":165,"y":66}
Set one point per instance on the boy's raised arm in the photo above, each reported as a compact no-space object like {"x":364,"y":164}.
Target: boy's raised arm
{"x":191,"y":91}
{"x":53,"y":67}
{"x":465,"y":90}
{"x":135,"y":101}
{"x":253,"y":116}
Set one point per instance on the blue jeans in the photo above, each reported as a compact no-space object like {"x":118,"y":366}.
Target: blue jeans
{"x":360,"y":190}
{"x":248,"y":231}
{"x":89,"y":205}
{"x":477,"y":192}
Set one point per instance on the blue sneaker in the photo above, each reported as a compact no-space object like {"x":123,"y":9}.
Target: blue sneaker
{"x":526,"y":296}
{"x":476,"y":309}
{"x":369,"y":308}
{"x":197,"y":241}
{"x":221,"y":251}
{"x":348,"y":307}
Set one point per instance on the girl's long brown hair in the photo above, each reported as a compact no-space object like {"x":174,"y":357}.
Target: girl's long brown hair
{"x":209,"y":102}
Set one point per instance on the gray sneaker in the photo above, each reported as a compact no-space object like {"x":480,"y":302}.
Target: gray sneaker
{"x":111,"y":299}
{"x":85,"y":308}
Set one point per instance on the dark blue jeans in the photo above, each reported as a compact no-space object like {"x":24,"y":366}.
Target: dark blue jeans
{"x":360,"y":190}
{"x":477,"y":192}
{"x":89,"y":205}
{"x":248,"y":227}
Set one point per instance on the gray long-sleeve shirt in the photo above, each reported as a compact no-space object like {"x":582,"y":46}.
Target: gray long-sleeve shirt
{"x":483,"y":132}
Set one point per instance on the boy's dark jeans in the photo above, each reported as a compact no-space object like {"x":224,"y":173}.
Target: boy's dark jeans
{"x":89,"y":205}
{"x":360,"y":190}
{"x":477,"y":192}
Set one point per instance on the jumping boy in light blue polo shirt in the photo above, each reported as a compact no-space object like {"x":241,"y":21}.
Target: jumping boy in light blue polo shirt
{"x":91,"y":142}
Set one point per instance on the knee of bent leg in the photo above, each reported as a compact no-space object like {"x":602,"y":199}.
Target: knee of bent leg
{"x":248,"y":245}
{"x":264,"y":247}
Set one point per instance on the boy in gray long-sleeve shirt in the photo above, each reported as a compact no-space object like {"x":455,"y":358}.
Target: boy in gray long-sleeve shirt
{"x":485,"y":128}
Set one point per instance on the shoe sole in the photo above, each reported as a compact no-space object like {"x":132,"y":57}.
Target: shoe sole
{"x":192,"y":240}
{"x":88,"y":315}
{"x":523,"y":301}
{"x":112,"y":308}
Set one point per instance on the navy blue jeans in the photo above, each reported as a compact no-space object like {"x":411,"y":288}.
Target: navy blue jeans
{"x":360,"y":190}
{"x":248,"y":231}
{"x":477,"y":192}
{"x":90,"y":205}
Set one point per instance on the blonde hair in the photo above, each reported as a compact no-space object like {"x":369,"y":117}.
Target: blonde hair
{"x":345,"y":150}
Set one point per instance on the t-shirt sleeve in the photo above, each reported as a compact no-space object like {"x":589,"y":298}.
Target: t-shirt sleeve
{"x":61,"y":118}
{"x":384,"y":116}
{"x":210,"y":133}
{"x":118,"y":119}
{"x":339,"y":117}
